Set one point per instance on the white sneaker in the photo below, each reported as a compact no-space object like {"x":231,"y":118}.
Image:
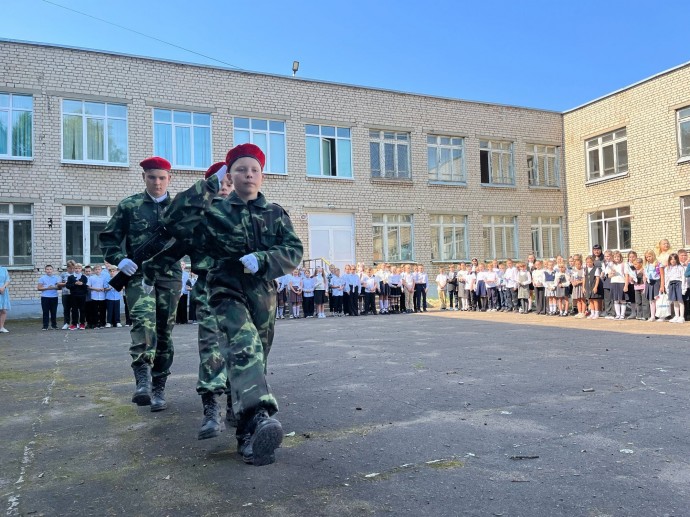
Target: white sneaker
{"x":108,"y":325}
{"x":119,"y":325}
{"x":65,"y":326}
{"x":610,"y":317}
{"x":4,"y":330}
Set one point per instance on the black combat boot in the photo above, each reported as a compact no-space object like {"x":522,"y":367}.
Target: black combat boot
{"x":142,"y":376}
{"x":230,"y":417}
{"x":158,"y":394}
{"x":258,"y":438}
{"x":210,"y":425}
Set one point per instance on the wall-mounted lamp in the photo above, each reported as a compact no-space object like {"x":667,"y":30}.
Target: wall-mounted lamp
{"x":295,"y":67}
{"x":50,"y":222}
{"x":330,"y":206}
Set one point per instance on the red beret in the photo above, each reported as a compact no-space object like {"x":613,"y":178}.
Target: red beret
{"x":243,"y":151}
{"x":155,"y":162}
{"x":213,"y":169}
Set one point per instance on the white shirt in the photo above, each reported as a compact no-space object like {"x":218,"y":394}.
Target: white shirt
{"x":441,"y":280}
{"x":96,"y":281}
{"x":510,"y":277}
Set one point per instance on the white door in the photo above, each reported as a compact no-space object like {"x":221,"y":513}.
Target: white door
{"x":332,"y":237}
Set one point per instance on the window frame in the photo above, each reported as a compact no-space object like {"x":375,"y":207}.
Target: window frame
{"x":381,"y":140}
{"x":387,"y":226}
{"x":680,"y":121}
{"x":86,"y":219}
{"x":268,"y":132}
{"x":10,"y":110}
{"x":454,"y":225}
{"x":685,"y":224}
{"x":501,"y":153}
{"x":493,"y":225}
{"x":192,"y":125}
{"x":539,"y":226}
{"x":535,"y":155}
{"x":84,"y":118}
{"x":606,"y":221}
{"x":438,"y":146}
{"x":335,"y":138}
{"x":599,"y":147}
{"x":11,"y":217}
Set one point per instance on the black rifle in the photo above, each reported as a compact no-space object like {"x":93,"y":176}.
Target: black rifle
{"x":147,"y":249}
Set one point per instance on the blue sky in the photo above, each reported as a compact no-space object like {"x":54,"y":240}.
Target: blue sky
{"x":544,"y":54}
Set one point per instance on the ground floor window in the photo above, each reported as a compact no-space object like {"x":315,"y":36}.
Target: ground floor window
{"x":500,"y":236}
{"x":547,"y":236}
{"x":393,"y":237}
{"x":82,"y":225}
{"x":16,"y":236}
{"x":449,"y":238}
{"x":611,"y":229}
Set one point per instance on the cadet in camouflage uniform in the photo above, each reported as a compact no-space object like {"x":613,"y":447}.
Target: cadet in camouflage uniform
{"x":212,"y":375}
{"x":252,"y":242}
{"x":153,"y":313}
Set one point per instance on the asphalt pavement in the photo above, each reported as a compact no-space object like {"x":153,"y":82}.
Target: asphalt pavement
{"x":438,"y":414}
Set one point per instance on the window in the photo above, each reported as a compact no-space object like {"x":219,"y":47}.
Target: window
{"x":183,"y":138}
{"x":392,"y":237}
{"x":269,"y":135}
{"x":684,"y":132}
{"x":607,"y":155}
{"x":390,"y":154}
{"x":496,"y":162}
{"x":547,"y":236}
{"x":15,"y":234}
{"x":542,"y":165}
{"x":446,"y":159}
{"x":83,"y":224}
{"x":685,"y":215}
{"x":329,"y":151}
{"x":611,"y":229}
{"x":449,"y":237}
{"x":16,"y":122}
{"x":94,"y":132}
{"x":500,"y":236}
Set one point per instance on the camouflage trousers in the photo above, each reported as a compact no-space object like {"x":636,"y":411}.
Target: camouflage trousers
{"x":153,"y":319}
{"x":212,"y":375}
{"x":245,"y":308}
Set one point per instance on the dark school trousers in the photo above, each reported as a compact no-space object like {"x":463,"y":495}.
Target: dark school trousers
{"x":49,"y":307}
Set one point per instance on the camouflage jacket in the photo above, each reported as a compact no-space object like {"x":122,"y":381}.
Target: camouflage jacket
{"x":227,"y":229}
{"x":172,"y":255}
{"x":135,"y":220}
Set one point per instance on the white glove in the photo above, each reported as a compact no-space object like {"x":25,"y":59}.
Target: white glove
{"x":127,"y":266}
{"x":250,"y":263}
{"x":148,"y":289}
{"x":221,"y":174}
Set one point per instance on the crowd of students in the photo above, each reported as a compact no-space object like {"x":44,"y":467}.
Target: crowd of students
{"x":606,"y":284}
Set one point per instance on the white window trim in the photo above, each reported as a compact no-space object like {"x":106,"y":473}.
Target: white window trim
{"x":386,"y":225}
{"x":191,"y":125}
{"x":9,"y":130}
{"x":441,"y":226}
{"x":600,"y":214}
{"x":11,"y":217}
{"x":321,"y":137}
{"x":683,"y":209}
{"x":493,"y":226}
{"x":268,"y":132}
{"x":600,"y":147}
{"x":540,"y":226}
{"x":103,"y":163}
{"x":557,"y":164}
{"x":381,"y":140}
{"x":511,"y":165}
{"x":85,"y":218}
{"x":438,"y":146}
{"x":682,"y":158}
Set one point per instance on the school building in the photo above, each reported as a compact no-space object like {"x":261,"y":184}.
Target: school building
{"x":366,"y":174}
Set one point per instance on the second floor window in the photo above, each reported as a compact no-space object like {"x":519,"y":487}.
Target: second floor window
{"x":496,"y":162}
{"x":269,"y":135}
{"x":445,"y":158}
{"x":390,"y":154}
{"x":607,"y":155}
{"x":16,"y":122}
{"x":94,"y":132}
{"x":183,"y":138}
{"x":329,"y":151}
{"x":542,"y":165}
{"x":684,"y":133}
